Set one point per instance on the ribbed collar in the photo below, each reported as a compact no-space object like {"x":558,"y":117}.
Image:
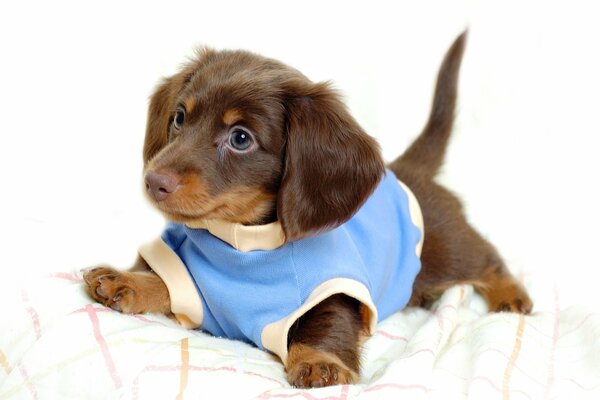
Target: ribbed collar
{"x":244,"y":238}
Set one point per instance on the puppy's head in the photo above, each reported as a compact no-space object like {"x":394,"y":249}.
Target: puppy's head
{"x":246,"y":139}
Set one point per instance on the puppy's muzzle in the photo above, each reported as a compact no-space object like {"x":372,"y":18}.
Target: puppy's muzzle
{"x":161,"y":184}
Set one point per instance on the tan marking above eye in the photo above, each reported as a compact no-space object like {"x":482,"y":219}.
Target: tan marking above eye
{"x":189,"y":104}
{"x":232,"y":116}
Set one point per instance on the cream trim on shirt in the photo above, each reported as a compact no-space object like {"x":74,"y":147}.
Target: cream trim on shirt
{"x":274,"y":336}
{"x":244,"y":238}
{"x":185,"y":301}
{"x":416,"y":215}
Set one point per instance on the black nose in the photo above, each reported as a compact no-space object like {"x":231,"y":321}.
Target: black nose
{"x":161,"y":184}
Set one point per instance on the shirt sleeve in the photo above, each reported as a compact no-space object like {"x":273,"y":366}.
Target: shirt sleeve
{"x":186,"y":303}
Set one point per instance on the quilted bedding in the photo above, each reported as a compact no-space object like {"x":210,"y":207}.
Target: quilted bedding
{"x":55,"y":343}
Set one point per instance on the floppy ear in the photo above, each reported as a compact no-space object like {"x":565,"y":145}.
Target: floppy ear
{"x":159,"y":115}
{"x":331,"y":164}
{"x":163,"y":104}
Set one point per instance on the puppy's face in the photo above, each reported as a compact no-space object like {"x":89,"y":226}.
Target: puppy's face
{"x":246,"y":139}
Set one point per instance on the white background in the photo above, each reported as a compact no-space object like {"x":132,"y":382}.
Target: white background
{"x":75,"y":78}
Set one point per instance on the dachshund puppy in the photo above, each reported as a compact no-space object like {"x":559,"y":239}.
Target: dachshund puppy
{"x":286,"y":229}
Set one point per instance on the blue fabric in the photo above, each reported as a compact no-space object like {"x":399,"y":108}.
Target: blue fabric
{"x":243,"y":292}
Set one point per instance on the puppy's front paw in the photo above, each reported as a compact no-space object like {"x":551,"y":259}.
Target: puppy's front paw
{"x":311,"y":368}
{"x":112,"y":288}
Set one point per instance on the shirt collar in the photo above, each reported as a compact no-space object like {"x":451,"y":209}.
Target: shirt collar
{"x":242,"y":237}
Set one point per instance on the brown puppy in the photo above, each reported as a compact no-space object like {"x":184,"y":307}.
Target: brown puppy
{"x":245,"y":139}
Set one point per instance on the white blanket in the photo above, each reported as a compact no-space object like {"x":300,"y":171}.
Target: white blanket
{"x":56,"y":343}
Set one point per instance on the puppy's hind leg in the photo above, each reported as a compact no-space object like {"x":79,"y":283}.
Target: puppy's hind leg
{"x":503,"y":291}
{"x":456,"y":254}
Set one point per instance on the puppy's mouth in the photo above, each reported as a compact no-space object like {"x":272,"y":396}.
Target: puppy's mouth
{"x":185,"y":200}
{"x":177,"y":208}
{"x":180,"y":199}
{"x":182,"y":217}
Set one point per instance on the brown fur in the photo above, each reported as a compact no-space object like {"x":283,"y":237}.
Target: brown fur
{"x":453,"y":252}
{"x":305,"y":148}
{"x":333,"y":329}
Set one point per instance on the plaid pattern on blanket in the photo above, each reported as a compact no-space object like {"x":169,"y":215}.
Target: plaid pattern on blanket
{"x":55,"y":343}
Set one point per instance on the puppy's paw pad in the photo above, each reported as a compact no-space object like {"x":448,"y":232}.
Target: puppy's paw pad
{"x":518,"y":305}
{"x":92,"y":275}
{"x":319,"y":374}
{"x":110,"y":288}
{"x":122,"y":298}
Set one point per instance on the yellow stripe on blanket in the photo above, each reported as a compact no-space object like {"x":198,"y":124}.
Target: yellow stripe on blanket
{"x":4,"y":362}
{"x":513,"y":358}
{"x":185,"y":367}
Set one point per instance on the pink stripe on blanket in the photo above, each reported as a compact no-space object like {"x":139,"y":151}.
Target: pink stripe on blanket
{"x":110,"y":365}
{"x":28,"y":383}
{"x":66,"y":276}
{"x":307,"y":395}
{"x":35,"y":318}
{"x":397,"y":386}
{"x":390,"y":336}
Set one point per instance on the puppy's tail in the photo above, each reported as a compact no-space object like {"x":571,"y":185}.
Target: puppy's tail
{"x":426,"y":154}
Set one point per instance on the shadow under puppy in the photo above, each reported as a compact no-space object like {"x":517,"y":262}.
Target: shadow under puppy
{"x":286,"y":229}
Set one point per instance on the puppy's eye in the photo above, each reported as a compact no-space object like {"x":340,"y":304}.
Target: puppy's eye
{"x":179,"y":117}
{"x":240,"y":139}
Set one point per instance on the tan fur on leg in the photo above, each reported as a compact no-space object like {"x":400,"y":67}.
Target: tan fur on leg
{"x":309,"y":367}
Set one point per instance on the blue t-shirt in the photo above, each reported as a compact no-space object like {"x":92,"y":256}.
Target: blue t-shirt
{"x":243,"y":293}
